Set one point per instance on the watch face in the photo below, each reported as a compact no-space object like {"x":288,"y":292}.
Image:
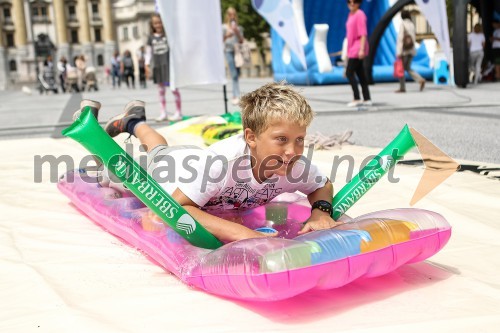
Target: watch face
{"x":325,"y":205}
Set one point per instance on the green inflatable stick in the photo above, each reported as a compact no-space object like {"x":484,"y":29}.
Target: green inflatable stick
{"x":86,"y":131}
{"x":372,"y":172}
{"x":232,"y":118}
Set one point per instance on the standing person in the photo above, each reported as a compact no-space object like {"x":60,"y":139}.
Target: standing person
{"x":405,"y":49}
{"x":476,"y":43}
{"x":77,"y":73}
{"x":107,"y":72}
{"x":357,"y":50}
{"x":72,"y":77}
{"x":495,"y":46}
{"x":142,"y":67}
{"x":80,"y":66}
{"x":157,"y":63}
{"x":115,"y":69}
{"x":61,"y":69}
{"x":127,"y":68}
{"x":49,"y":75}
{"x":232,"y":35}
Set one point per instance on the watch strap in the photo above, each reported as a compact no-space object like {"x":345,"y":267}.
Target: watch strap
{"x":323,"y":205}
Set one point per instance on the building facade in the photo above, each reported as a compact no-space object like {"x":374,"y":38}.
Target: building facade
{"x":93,"y":28}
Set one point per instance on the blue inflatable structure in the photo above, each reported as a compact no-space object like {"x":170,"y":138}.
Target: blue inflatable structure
{"x":324,"y":22}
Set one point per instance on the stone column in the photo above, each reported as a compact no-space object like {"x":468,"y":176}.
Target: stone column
{"x":83,"y":19}
{"x":19,"y":22}
{"x":22,"y":50}
{"x":3,"y":69}
{"x":3,"y":66}
{"x":108,"y":33}
{"x":61,"y":29}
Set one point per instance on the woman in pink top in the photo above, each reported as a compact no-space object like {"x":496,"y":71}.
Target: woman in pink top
{"x":357,"y":49}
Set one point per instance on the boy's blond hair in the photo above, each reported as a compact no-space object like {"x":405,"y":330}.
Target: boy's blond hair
{"x":271,"y":102}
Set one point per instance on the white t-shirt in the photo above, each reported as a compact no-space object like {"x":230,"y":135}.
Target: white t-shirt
{"x":220,"y":177}
{"x":476,"y":41}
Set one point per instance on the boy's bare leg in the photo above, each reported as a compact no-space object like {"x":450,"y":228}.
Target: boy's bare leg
{"x":148,"y":136}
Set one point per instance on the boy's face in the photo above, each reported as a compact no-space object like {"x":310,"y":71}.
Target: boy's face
{"x":276,"y":150}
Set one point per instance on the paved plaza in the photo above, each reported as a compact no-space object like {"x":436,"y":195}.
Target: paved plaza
{"x":464,"y":123}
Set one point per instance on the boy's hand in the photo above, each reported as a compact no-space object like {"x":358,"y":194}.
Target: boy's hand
{"x":318,"y":221}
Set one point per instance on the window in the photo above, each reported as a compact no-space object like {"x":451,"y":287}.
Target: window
{"x":39,"y":11}
{"x":9,"y":38}
{"x":97,"y":35}
{"x":125,"y":33}
{"x":100,"y":60}
{"x":7,"y":14}
{"x":95,"y":10}
{"x":72,"y":12}
{"x":74,"y":36}
{"x":12,"y":66}
{"x":135,"y":32}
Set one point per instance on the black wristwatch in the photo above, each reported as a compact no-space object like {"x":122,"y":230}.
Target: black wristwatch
{"x":324,"y":206}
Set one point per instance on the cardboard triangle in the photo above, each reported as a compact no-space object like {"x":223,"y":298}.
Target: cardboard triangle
{"x":438,"y":166}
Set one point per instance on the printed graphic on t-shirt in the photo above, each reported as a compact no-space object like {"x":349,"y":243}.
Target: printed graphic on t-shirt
{"x":243,"y":196}
{"x":160,"y":45}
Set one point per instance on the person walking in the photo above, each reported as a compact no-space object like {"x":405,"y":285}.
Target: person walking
{"x":127,"y":68}
{"x":61,"y":69}
{"x":405,"y":49}
{"x":115,"y":69}
{"x":476,"y":41}
{"x":157,"y":63}
{"x":141,"y":61}
{"x":357,"y":50}
{"x":232,"y":35}
{"x":81,"y":65}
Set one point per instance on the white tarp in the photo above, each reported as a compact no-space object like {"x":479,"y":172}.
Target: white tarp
{"x":194,"y":30}
{"x":435,"y":13}
{"x":60,"y":272}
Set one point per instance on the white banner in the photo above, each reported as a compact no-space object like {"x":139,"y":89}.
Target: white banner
{"x":280,"y":15}
{"x":194,"y":32}
{"x":435,"y":12}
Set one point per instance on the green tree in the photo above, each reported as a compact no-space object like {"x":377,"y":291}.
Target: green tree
{"x":253,"y":24}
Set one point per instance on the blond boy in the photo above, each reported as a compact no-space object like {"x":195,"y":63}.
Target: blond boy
{"x":241,"y":172}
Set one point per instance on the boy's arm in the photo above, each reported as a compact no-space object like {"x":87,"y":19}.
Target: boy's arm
{"x":319,"y":219}
{"x":224,"y":230}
